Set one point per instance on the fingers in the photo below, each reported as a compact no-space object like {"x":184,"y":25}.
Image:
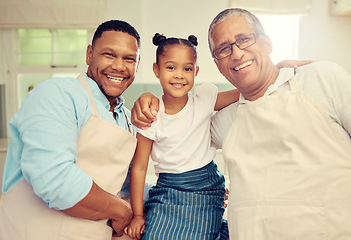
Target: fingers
{"x":225,"y":198}
{"x":125,"y":214}
{"x":226,"y":194}
{"x":154,"y":107}
{"x":134,"y":232}
{"x":138,"y":118}
{"x":145,"y":110}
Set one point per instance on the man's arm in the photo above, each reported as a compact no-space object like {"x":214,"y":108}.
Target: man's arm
{"x":99,"y":204}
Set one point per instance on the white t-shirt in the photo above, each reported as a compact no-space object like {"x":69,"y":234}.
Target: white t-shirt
{"x":326,"y":83}
{"x":182,"y":141}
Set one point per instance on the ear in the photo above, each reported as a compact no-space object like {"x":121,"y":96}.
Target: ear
{"x":156,"y":70}
{"x":197,"y":70}
{"x":137,"y":65}
{"x":89,"y":54}
{"x":268,"y":44}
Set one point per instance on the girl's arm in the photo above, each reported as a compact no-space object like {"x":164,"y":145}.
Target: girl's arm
{"x":293,"y":63}
{"x":137,"y":183}
{"x":226,"y":98}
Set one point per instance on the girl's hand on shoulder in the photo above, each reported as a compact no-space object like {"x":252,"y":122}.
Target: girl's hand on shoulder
{"x":136,"y":227}
{"x":145,"y":110}
{"x":293,"y":63}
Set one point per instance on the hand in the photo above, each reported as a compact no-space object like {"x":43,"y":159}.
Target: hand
{"x":136,"y":227}
{"x":293,"y":63}
{"x":124,"y":218}
{"x":145,"y":110}
{"x":225,"y":197}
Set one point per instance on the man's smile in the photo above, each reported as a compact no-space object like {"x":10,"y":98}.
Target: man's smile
{"x":243,"y":65}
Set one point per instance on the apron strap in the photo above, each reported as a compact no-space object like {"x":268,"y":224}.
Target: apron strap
{"x":85,"y":84}
{"x":294,"y":86}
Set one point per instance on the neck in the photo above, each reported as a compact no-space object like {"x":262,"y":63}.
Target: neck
{"x":113,"y":104}
{"x":267,"y":81}
{"x":173,"y":105}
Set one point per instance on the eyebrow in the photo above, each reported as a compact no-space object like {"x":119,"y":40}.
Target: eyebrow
{"x":237,"y":37}
{"x":177,"y":62}
{"x":130,"y":53}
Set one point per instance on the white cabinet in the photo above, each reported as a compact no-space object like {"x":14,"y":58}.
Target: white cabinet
{"x":340,"y":8}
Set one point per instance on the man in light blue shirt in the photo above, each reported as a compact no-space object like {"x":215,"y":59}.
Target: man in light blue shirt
{"x":45,"y":135}
{"x":69,"y":120}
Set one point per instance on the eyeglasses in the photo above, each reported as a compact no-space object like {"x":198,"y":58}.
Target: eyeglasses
{"x":241,"y":43}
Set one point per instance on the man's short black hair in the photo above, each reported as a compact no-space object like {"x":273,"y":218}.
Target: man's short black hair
{"x":116,"y":25}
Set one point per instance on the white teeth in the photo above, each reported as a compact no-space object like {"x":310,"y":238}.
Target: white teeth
{"x":243,"y":65}
{"x":117,"y":79}
{"x":178,"y":85}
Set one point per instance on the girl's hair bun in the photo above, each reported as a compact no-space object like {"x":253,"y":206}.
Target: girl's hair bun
{"x":193,"y":40}
{"x":158,"y":38}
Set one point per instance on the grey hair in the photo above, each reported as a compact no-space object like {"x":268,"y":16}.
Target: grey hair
{"x":252,"y":22}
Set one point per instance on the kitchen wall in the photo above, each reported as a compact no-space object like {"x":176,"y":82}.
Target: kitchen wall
{"x":325,"y":37}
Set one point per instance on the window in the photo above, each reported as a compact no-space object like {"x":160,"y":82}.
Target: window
{"x":45,"y":53}
{"x":283,"y":32}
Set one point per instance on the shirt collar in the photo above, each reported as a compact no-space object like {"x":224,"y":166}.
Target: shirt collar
{"x":99,"y":96}
{"x":285,"y":74}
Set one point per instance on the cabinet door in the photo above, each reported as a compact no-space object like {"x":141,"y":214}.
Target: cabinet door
{"x":340,"y":8}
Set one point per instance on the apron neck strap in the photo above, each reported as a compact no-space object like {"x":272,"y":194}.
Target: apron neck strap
{"x":294,"y":87}
{"x":84,"y":82}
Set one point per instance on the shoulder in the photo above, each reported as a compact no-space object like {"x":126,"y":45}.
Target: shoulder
{"x":205,"y":89}
{"x":226,"y":114}
{"x":58,"y":97}
{"x":324,"y":76}
{"x":321,"y":70}
{"x":221,"y":122}
{"x":59,"y":87}
{"x":206,"y":93}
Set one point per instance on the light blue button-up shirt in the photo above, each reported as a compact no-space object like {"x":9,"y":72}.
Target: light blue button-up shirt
{"x":44,"y":135}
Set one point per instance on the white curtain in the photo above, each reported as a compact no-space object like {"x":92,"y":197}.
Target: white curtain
{"x":273,"y":6}
{"x":52,"y":13}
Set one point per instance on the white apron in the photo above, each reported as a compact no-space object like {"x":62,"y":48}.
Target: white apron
{"x":105,"y":151}
{"x":289,"y":170}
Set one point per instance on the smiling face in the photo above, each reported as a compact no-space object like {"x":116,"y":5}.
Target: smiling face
{"x":176,"y":70}
{"x":250,"y":69}
{"x":113,"y":62}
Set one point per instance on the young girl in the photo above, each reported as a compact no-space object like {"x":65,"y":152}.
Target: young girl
{"x":187,"y":201}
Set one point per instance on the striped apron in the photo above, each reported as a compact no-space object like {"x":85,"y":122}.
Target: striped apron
{"x":186,"y":206}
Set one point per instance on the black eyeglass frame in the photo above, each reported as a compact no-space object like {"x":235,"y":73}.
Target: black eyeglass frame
{"x":236,"y":44}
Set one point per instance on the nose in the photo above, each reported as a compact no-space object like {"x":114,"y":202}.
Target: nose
{"x":118,"y":64}
{"x":179,"y":74}
{"x":237,"y":53}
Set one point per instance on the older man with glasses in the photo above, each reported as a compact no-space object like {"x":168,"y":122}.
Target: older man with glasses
{"x":286,"y":141}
